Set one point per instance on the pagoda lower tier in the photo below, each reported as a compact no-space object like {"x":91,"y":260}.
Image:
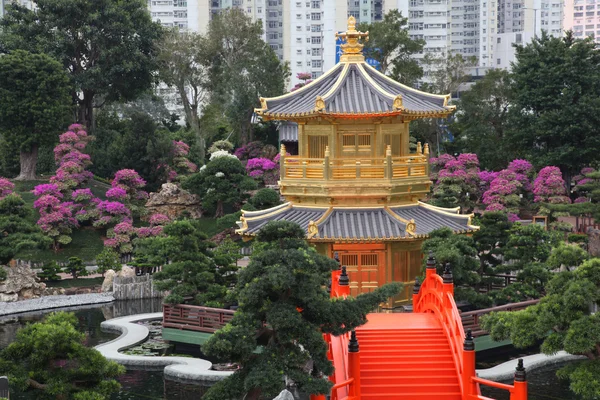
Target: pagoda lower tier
{"x":377,"y":244}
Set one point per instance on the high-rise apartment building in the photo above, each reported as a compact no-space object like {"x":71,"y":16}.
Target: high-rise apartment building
{"x":583,"y":18}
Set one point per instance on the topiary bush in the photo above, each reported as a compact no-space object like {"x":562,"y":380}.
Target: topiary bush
{"x":265,"y":198}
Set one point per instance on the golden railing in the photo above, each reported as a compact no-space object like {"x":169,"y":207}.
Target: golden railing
{"x":294,"y":167}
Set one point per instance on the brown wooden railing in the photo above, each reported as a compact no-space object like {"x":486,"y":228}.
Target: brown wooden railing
{"x":195,"y":318}
{"x":470,"y":319}
{"x":327,"y":168}
{"x":502,"y":281}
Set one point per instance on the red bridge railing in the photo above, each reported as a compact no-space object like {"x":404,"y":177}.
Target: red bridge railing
{"x":195,"y":318}
{"x":436,"y":295}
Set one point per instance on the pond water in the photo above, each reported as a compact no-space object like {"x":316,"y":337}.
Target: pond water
{"x":140,"y":384}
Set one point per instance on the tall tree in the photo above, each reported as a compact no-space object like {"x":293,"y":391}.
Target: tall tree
{"x":182,"y":64}
{"x":556,"y":86}
{"x":107,"y":46}
{"x":34,"y":104}
{"x":243,"y":68}
{"x":563,"y":320}
{"x":390,"y":44}
{"x":482,"y":120}
{"x":285,"y":309}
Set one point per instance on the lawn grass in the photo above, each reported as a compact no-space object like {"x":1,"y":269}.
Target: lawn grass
{"x":79,"y":282}
{"x":86,"y":244}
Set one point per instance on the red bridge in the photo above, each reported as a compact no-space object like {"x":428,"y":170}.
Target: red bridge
{"x":419,"y":355}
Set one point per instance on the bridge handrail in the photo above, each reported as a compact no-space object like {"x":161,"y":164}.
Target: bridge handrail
{"x":437,"y":297}
{"x":195,"y":318}
{"x":470,"y":319}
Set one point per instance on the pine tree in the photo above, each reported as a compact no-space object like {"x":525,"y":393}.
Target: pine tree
{"x":284,"y":310}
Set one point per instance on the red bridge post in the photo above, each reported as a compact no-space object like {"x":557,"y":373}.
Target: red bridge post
{"x":520,"y":383}
{"x":354,"y":365}
{"x":430,"y":270}
{"x":468,"y":367}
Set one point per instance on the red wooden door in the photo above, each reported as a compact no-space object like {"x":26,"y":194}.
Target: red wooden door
{"x":366,"y":270}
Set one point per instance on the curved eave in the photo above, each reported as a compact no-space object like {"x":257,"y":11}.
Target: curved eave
{"x":315,"y":114}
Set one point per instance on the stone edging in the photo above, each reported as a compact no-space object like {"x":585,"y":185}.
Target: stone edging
{"x":195,"y":369}
{"x":176,"y":368}
{"x":506,"y":371}
{"x":50,"y":302}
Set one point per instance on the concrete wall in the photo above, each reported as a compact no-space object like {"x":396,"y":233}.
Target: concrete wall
{"x":135,"y":287}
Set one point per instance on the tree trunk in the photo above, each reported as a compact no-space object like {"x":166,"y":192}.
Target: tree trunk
{"x":219,"y":210}
{"x":86,"y":110}
{"x":28,"y":164}
{"x":191,"y":116}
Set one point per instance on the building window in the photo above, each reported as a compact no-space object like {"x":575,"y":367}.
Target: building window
{"x":316,"y":4}
{"x":316,"y":63}
{"x":298,"y":63}
{"x":298,"y":28}
{"x":315,"y":16}
{"x":299,"y":52}
{"x":365,"y":13}
{"x":298,"y":16}
{"x":498,"y":61}
{"x":259,"y":10}
{"x":315,"y":40}
{"x":499,"y":40}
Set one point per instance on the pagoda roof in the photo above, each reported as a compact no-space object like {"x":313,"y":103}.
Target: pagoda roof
{"x":356,"y":224}
{"x":354,"y":89}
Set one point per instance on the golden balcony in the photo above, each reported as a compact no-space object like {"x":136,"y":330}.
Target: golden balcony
{"x":356,"y":181}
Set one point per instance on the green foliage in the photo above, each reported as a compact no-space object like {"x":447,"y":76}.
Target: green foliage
{"x":223,"y":182}
{"x":132,"y":141}
{"x":229,"y":220}
{"x":75,"y":267}
{"x":265,"y":198}
{"x":51,"y":359}
{"x":555,"y":119}
{"x":18,"y":232}
{"x":3,"y":274}
{"x":460,"y":251}
{"x":562,"y":319}
{"x":190,"y":269}
{"x":527,"y":251}
{"x":221,"y":145}
{"x":566,"y":256}
{"x":490,"y":242}
{"x":577,"y":238}
{"x":482,"y":120}
{"x":116,"y":39}
{"x":108,"y":259}
{"x":34,"y":103}
{"x":50,"y":271}
{"x":242,"y":68}
{"x":390,"y":44}
{"x":284,"y":276}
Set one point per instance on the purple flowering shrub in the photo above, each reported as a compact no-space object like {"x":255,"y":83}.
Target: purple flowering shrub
{"x":263,"y":169}
{"x":57,"y":219}
{"x":250,"y":150}
{"x":121,"y":237}
{"x":549,"y":187}
{"x":131,"y":183}
{"x":456,"y":181}
{"x":72,"y":163}
{"x":6,"y":187}
{"x":586,"y":184}
{"x":181,"y":165}
{"x":509,"y":189}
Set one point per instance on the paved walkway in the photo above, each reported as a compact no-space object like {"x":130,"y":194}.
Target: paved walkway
{"x":49,"y":302}
{"x":132,"y":334}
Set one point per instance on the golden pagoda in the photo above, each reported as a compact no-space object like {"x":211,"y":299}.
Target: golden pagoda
{"x":354,"y":185}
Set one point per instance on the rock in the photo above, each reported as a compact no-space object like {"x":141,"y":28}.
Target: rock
{"x":21,"y":283}
{"x":126,"y":272}
{"x":8,"y":297}
{"x":107,"y":284}
{"x":285,"y":395}
{"x":594,"y":242}
{"x":173,"y":201}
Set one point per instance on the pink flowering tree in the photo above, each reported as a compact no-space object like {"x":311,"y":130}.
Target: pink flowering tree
{"x":71,"y":161}
{"x":6,"y":187}
{"x":457,"y":182}
{"x":85,"y":205}
{"x":56,"y":217}
{"x":180,"y":165}
{"x":250,"y":150}
{"x":304,"y":77}
{"x":549,"y":187}
{"x":510,"y":189}
{"x":587,"y":186}
{"x":127,"y":187}
{"x":263,"y":169}
{"x":121,"y":238}
{"x":111,"y":213}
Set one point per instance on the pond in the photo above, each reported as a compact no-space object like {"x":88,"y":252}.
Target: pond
{"x":136,"y":384}
{"x":140,"y":384}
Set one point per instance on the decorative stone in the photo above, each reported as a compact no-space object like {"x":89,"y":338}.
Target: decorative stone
{"x":107,"y":284}
{"x":285,"y":395}
{"x":21,"y":283}
{"x":594,"y":242}
{"x":173,"y":201}
{"x":126,"y":272}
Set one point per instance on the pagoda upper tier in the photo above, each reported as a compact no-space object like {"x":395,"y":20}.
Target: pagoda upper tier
{"x":354,"y":89}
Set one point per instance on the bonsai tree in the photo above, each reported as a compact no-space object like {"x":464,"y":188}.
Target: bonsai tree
{"x":108,"y":259}
{"x":51,"y":359}
{"x":75,"y":267}
{"x":190,"y":270}
{"x":50,"y":271}
{"x":222,"y":182}
{"x":563,"y":321}
{"x":17,"y":232}
{"x":265,"y":198}
{"x":284,"y":309}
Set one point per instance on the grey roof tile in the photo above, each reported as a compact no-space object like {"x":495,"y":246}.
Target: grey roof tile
{"x":428,"y":220}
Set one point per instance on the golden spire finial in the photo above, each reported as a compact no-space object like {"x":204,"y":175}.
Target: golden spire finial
{"x":352,"y":49}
